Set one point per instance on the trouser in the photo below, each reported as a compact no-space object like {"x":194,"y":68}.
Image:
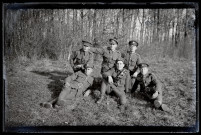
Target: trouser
{"x":67,"y":95}
{"x":158,"y":100}
{"x":108,"y":88}
{"x":132,"y":80}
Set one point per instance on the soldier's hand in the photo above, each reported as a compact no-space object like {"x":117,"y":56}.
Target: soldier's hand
{"x":67,"y":84}
{"x":155,"y":95}
{"x":110,"y":80}
{"x":135,"y":74}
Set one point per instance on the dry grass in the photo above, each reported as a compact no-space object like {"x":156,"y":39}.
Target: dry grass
{"x":43,"y":80}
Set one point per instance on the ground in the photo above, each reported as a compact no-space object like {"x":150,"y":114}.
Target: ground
{"x":37,"y":83}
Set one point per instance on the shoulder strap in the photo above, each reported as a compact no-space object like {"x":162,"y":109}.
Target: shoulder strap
{"x":122,"y":72}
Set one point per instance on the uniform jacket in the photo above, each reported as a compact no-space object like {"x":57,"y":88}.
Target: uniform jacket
{"x":109,"y":56}
{"x":131,"y":61}
{"x":148,"y":81}
{"x":80,"y":81}
{"x":121,"y":79}
{"x":81,"y":57}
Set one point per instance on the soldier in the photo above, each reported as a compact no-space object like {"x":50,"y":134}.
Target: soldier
{"x":132,"y":59}
{"x":75,"y":86}
{"x":81,"y":57}
{"x":110,"y":54}
{"x":150,"y":86}
{"x":116,"y":80}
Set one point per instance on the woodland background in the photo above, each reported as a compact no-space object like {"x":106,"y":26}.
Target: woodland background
{"x":51,"y":33}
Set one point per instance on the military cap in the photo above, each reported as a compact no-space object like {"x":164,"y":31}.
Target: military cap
{"x":133,"y":42}
{"x":88,"y":65}
{"x":120,"y":59}
{"x":141,"y":65}
{"x":114,"y":39}
{"x":86,"y":43}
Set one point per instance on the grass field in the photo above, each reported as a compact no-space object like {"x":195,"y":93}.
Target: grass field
{"x":30,"y":85}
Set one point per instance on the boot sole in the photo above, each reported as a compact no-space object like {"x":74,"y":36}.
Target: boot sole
{"x":47,"y":105}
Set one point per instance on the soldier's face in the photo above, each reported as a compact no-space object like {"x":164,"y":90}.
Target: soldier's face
{"x":120,"y":65}
{"x":85,"y":48}
{"x":88,"y":71}
{"x":144,"y":70}
{"x":133,"y":48}
{"x":113,"y":45}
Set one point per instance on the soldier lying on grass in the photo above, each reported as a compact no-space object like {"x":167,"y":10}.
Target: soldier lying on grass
{"x":117,"y":80}
{"x":75,"y":86}
{"x":150,"y":86}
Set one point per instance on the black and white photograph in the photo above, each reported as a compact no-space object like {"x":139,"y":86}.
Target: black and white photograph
{"x":83,"y":67}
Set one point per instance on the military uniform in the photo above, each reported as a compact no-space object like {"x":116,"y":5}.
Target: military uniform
{"x":131,"y":61}
{"x":109,"y":57}
{"x":74,"y":87}
{"x":120,"y":83}
{"x":149,"y":84}
{"x":81,"y":57}
{"x":79,"y":82}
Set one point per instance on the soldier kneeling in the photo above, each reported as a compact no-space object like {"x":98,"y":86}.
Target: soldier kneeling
{"x":117,"y":80}
{"x":150,"y":86}
{"x":75,"y":86}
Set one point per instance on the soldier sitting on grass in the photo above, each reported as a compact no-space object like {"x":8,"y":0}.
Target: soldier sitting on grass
{"x":81,"y":57}
{"x":150,"y":86}
{"x":75,"y":86}
{"x":117,"y":80}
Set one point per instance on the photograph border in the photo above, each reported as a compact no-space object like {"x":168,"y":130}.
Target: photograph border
{"x":103,"y":129}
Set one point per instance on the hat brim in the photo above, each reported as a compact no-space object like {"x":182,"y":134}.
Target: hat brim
{"x":113,"y":40}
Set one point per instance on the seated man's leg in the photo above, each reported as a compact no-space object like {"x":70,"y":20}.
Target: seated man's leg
{"x":62,"y":96}
{"x":158,"y":100}
{"x":134,"y":86}
{"x":120,"y":94}
{"x":104,"y":86}
{"x":132,"y":80}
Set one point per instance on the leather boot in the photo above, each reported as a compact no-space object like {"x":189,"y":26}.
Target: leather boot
{"x":100,"y":99}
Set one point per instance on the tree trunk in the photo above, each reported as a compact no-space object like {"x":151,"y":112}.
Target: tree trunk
{"x":94,"y":24}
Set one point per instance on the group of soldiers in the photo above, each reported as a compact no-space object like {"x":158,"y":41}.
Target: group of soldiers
{"x":122,"y":73}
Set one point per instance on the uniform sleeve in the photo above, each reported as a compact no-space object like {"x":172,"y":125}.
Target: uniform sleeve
{"x":91,"y":58}
{"x":97,"y":50}
{"x":136,"y":69}
{"x":157,"y":83}
{"x":108,"y":73}
{"x":139,"y":60}
{"x":127,"y":84}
